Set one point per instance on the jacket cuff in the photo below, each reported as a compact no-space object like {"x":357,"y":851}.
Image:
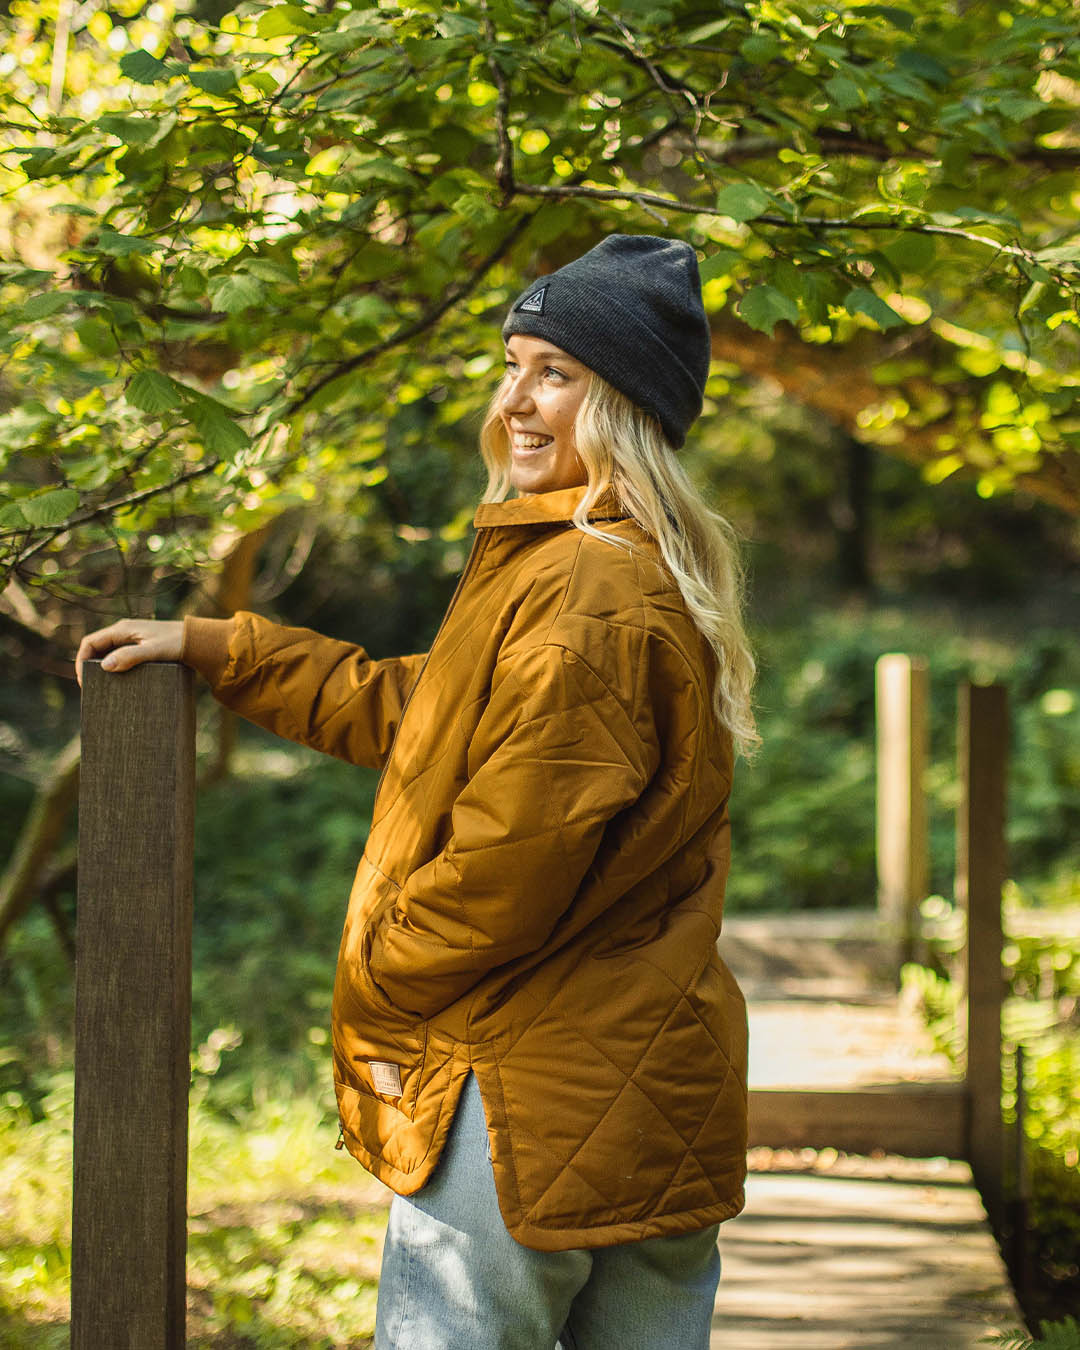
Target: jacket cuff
{"x":205,"y":646}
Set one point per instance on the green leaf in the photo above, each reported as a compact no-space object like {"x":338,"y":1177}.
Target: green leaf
{"x":790,"y":281}
{"x":234,"y":292}
{"x":1017,"y":108}
{"x":989,"y":217}
{"x":143,"y":68}
{"x":899,"y":18}
{"x":742,"y":201}
{"x":122,"y":245}
{"x":72,"y":209}
{"x":705,"y":32}
{"x":925,"y":67}
{"x":912,"y":252}
{"x":282,"y":20}
{"x":760,"y":48}
{"x":384,"y":170}
{"x":18,"y":275}
{"x":475,"y":209}
{"x":96,"y":336}
{"x":1063,"y":253}
{"x":219,"y":432}
{"x":843,"y":91}
{"x":457,"y":26}
{"x":214,"y":81}
{"x":151,"y":392}
{"x":862,"y":300}
{"x":261,"y":80}
{"x":903,"y":85}
{"x":269,"y":269}
{"x":763,"y":308}
{"x":366,"y":311}
{"x":719,"y":263}
{"x":11,"y":517}
{"x":132,"y":130}
{"x":285,"y":21}
{"x":49,"y":508}
{"x":48,"y":302}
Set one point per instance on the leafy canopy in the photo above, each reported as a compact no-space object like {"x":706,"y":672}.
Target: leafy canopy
{"x":246,"y":257}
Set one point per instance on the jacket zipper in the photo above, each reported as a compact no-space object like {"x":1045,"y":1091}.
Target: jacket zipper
{"x":340,"y":1136}
{"x":474,"y":553}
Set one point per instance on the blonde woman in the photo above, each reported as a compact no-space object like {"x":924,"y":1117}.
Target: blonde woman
{"x":536,"y":1044}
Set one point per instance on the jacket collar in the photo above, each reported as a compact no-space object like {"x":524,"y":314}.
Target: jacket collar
{"x":545,"y":508}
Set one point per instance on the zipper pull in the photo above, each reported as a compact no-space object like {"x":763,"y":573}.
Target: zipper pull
{"x":341,"y":1136}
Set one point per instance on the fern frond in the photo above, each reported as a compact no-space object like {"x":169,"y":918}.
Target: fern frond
{"x":1059,"y":1335}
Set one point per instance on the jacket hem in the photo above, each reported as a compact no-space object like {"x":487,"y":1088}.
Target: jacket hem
{"x":616,"y":1234}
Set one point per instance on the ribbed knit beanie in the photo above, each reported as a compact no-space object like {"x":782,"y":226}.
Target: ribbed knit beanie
{"x":631,"y":310}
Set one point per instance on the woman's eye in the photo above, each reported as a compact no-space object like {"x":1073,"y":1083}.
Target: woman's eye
{"x":557,"y":374}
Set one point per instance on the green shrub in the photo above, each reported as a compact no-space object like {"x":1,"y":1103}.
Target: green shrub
{"x":1043,"y":983}
{"x":1052,"y":1336}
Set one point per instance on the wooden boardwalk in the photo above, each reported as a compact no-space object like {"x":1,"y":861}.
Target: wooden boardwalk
{"x":867,"y":1254}
{"x":833,"y":1250}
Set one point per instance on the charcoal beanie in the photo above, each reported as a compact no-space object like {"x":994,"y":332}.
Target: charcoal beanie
{"x":631,"y":310}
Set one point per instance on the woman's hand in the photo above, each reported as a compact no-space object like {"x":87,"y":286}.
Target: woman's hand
{"x":130,"y":642}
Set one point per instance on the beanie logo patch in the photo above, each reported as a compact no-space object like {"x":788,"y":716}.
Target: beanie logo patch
{"x":533,"y":304}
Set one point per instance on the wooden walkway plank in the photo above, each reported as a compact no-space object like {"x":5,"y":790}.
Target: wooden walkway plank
{"x":892,"y":1254}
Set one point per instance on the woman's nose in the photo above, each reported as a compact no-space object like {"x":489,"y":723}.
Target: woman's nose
{"x":517,"y":396}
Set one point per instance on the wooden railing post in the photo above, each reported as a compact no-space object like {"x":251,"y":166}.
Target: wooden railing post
{"x":902,"y":697}
{"x":133,"y":1009}
{"x":980,"y":877}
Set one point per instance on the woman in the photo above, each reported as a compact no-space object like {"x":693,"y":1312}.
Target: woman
{"x":536,"y":1045}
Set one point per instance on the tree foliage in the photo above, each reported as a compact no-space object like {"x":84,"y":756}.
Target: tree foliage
{"x":257,"y":258}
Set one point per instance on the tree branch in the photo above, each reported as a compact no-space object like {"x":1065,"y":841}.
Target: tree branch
{"x":504,"y":160}
{"x":108,"y":508}
{"x":418,"y":325}
{"x":653,"y":199}
{"x":837,"y":142}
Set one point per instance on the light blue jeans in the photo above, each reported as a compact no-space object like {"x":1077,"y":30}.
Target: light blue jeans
{"x":454,"y":1279}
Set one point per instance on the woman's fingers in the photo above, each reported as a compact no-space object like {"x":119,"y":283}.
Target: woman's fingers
{"x":129,"y":643}
{"x":97,"y":644}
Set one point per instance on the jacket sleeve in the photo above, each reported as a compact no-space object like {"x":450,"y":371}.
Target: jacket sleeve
{"x":316,"y":690}
{"x":554,"y":758}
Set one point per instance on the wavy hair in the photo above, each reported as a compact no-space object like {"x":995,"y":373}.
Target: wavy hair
{"x":624,"y":448}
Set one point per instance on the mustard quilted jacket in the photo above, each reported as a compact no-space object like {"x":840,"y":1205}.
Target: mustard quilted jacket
{"x":541,"y":891}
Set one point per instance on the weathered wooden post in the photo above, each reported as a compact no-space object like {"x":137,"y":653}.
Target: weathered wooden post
{"x":902,"y":698}
{"x":980,"y":876}
{"x":133,"y":1009}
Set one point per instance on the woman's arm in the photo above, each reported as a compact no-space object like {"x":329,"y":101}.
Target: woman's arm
{"x":316,"y":690}
{"x":308,"y":688}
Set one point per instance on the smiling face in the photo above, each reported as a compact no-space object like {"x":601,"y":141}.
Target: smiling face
{"x":541,"y":393}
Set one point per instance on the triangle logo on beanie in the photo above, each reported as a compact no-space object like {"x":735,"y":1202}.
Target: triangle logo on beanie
{"x":533,"y":304}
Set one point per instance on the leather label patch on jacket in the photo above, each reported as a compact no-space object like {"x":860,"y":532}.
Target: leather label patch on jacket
{"x":386,"y":1077}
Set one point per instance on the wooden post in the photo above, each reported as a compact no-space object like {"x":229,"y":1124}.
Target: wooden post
{"x":980,"y":876}
{"x":133,"y":1009}
{"x":902,"y":850}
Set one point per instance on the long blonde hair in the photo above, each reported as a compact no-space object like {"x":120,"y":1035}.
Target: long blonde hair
{"x":623,"y":448}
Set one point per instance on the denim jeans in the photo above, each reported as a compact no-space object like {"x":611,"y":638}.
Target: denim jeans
{"x":454,"y":1279}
